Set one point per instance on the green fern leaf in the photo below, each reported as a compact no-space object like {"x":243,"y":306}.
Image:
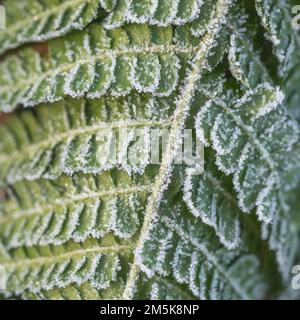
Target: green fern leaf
{"x":83,"y":140}
{"x":276,"y":18}
{"x":96,"y":62}
{"x":31,"y":21}
{"x":85,"y":212}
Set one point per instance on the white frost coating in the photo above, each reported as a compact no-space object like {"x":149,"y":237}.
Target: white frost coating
{"x":98,"y":265}
{"x":16,"y":240}
{"x":180,"y":114}
{"x":136,"y":152}
{"x":125,"y":11}
{"x":69,"y":53}
{"x":59,"y":270}
{"x":193,"y":274}
{"x":182,"y":253}
{"x":75,"y":149}
{"x":194,"y":11}
{"x":118,"y":18}
{"x":241,"y":123}
{"x":272,"y":104}
{"x":149,"y":8}
{"x":121,"y":230}
{"x":209,"y":256}
{"x":42,"y":227}
{"x":110,"y":223}
{"x":210,"y":218}
{"x":93,"y":218}
{"x":57,"y":30}
{"x":274,"y":94}
{"x":165,"y":245}
{"x":199,"y":120}
{"x":219,"y":133}
{"x":80,"y":155}
{"x":88,"y":274}
{"x":119,"y":91}
{"x":108,"y":69}
{"x":70,"y":224}
{"x":216,"y":287}
{"x":149,"y":68}
{"x":27,"y":100}
{"x":105,"y":6}
{"x":45,"y":284}
{"x":263,"y":7}
{"x":248,"y":149}
{"x":228,"y":170}
{"x":103,"y":279}
{"x":282,"y":240}
{"x":87,"y":44}
{"x":195,"y":30}
{"x":217,"y":144}
{"x":267,"y":14}
{"x":55,"y":228}
{"x":276,"y":19}
{"x":154,"y":294}
{"x":58,"y":222}
{"x":203,"y":280}
{"x":74,"y":76}
{"x":244,"y":59}
{"x":234,"y":61}
{"x":170,"y":18}
{"x":172,"y":77}
{"x":266,"y":198}
{"x":94,"y":74}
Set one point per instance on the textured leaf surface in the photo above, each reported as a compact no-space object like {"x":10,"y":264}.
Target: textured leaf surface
{"x":195,"y":258}
{"x":276,"y":18}
{"x":80,"y":136}
{"x":86,"y":214}
{"x":73,"y":209}
{"x":30,"y":21}
{"x":95,"y":62}
{"x":207,"y":197}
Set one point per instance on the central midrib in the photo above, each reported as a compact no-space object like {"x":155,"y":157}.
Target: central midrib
{"x":179,"y":117}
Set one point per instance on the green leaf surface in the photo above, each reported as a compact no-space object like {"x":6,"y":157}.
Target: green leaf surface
{"x":85,"y":213}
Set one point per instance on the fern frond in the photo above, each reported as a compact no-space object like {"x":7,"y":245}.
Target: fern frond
{"x":245,"y":139}
{"x":77,"y":292}
{"x":32,"y":21}
{"x":207,"y":197}
{"x":276,"y":18}
{"x":243,"y":147}
{"x":80,"y":136}
{"x":185,"y":248}
{"x":73,"y":209}
{"x":153,"y":12}
{"x":63,"y":265}
{"x":244,"y":58}
{"x":200,"y":64}
{"x":95,"y":62}
{"x":291,"y":86}
{"x":72,"y":292}
{"x":85,"y":213}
